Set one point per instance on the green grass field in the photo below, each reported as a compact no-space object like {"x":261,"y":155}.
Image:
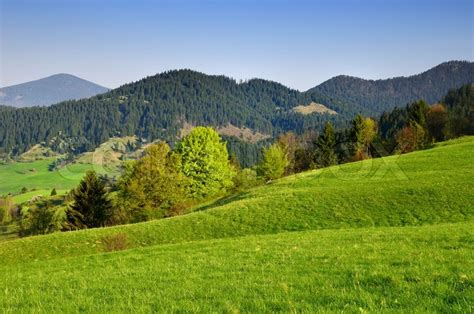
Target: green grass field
{"x":404,"y":269}
{"x":35,"y":175}
{"x":385,"y":234}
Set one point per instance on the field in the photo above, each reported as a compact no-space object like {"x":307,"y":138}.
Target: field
{"x":369,"y":269}
{"x":386,"y":234}
{"x":35,"y":175}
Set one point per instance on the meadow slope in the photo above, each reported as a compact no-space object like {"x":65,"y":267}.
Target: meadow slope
{"x":402,"y":269}
{"x":425,"y":187}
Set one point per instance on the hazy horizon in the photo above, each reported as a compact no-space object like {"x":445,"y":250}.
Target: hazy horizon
{"x":299,"y":44}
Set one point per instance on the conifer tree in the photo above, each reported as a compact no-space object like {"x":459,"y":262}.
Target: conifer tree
{"x":91,"y":201}
{"x":325,"y":147}
{"x":356,"y":137}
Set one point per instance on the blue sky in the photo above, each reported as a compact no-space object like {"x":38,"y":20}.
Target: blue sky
{"x":297,"y":43}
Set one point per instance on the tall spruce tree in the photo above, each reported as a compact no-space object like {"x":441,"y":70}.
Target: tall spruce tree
{"x":325,"y":147}
{"x":356,"y":137}
{"x":91,"y":202}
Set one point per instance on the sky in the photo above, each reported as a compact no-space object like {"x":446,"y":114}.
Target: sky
{"x":297,"y":43}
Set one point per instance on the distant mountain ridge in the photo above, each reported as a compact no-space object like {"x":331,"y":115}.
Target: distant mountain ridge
{"x":160,"y":106}
{"x":383,"y":95}
{"x":49,"y":90}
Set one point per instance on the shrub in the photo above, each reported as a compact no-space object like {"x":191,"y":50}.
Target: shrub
{"x":42,"y":218}
{"x":245,"y":179}
{"x":115,"y":242}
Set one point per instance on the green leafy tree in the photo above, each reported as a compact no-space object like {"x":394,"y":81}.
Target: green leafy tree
{"x":325,"y":147}
{"x":42,"y":218}
{"x":289,"y":143}
{"x":410,"y":138}
{"x":205,"y":162}
{"x":153,"y":184}
{"x":436,"y":122}
{"x":274,"y":162}
{"x":53,"y":192}
{"x":91,"y":202}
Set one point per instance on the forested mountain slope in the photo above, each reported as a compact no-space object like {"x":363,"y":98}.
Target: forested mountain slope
{"x":377,"y":96}
{"x":158,"y":107}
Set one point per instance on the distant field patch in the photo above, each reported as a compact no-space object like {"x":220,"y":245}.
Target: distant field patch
{"x":313,"y":108}
{"x":21,"y":198}
{"x":35,"y":175}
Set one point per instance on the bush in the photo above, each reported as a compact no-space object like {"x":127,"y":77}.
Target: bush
{"x":8,"y":210}
{"x":115,"y":242}
{"x":42,"y":218}
{"x":245,"y":179}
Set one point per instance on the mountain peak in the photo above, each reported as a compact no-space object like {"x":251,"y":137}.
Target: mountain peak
{"x":49,"y":90}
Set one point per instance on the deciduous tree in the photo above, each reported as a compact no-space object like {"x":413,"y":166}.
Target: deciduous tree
{"x":205,"y":162}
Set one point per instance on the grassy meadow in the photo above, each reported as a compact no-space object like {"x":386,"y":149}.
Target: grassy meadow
{"x":35,"y":175}
{"x":388,"y":234}
{"x":421,"y":269}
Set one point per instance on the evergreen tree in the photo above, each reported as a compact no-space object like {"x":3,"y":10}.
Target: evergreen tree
{"x":417,"y":113}
{"x":356,"y":137}
{"x":325,"y":147}
{"x":91,"y":201}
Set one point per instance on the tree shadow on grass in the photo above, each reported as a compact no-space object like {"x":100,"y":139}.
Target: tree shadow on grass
{"x":223,"y":201}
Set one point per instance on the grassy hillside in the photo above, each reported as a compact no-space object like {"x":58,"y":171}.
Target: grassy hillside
{"x":409,"y":269}
{"x":424,"y":187}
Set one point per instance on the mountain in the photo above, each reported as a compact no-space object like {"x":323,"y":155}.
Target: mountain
{"x":165,"y":105}
{"x":377,"y":96}
{"x":49,"y":90}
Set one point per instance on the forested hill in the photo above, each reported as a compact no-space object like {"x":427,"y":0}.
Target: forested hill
{"x":378,"y":96}
{"x":158,"y":107}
